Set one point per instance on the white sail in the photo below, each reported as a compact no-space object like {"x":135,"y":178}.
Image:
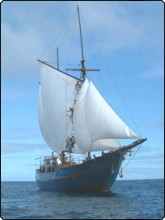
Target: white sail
{"x":94,"y":120}
{"x":56,"y":96}
{"x":105,"y":144}
{"x":108,"y":123}
{"x":79,"y":120}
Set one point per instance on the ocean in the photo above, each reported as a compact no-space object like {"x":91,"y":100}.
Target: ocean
{"x":131,"y":199}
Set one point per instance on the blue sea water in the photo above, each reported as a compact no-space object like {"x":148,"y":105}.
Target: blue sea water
{"x":131,"y":199}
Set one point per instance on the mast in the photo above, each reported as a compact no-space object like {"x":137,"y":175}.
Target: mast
{"x":82,"y":52}
{"x":57,"y":59}
{"x":83,"y":68}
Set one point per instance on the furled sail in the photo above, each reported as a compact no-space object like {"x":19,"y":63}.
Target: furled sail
{"x":95,"y":121}
{"x":56,"y":96}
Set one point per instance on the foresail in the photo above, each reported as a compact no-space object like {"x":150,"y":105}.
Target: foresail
{"x":105,"y":144}
{"x":96,"y":125}
{"x":56,"y":96}
{"x":102,"y":121}
{"x":79,"y":120}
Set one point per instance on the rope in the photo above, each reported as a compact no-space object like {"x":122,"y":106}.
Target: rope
{"x":92,"y":40}
{"x":132,"y":157}
{"x":71,"y":43}
{"x":117,"y":88}
{"x":66,"y":125}
{"x":63,"y":28}
{"x":93,"y":56}
{"x":61,"y":64}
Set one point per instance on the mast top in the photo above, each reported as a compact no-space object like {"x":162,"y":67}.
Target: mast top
{"x":83,"y":68}
{"x":82,"y":51}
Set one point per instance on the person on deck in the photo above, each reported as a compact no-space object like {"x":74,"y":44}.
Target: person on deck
{"x":67,"y":143}
{"x":72,"y":142}
{"x":73,"y":139}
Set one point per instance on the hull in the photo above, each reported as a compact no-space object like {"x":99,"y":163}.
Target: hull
{"x":96,"y":175}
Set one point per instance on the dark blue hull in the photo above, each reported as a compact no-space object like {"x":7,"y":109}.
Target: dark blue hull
{"x":96,"y":175}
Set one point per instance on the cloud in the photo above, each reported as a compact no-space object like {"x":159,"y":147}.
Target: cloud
{"x":17,"y":147}
{"x":158,"y":125}
{"x":155,"y":125}
{"x":153,"y":72}
{"x":32,"y":28}
{"x":20,"y":132}
{"x":115,"y":27}
{"x":20,"y":50}
{"x":27,"y":30}
{"x":151,"y":158}
{"x":24,"y":94}
{"x":143,"y":173}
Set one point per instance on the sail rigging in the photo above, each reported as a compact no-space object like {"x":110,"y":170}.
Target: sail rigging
{"x":83,"y":69}
{"x":73,"y":114}
{"x":95,"y":125}
{"x":93,"y":122}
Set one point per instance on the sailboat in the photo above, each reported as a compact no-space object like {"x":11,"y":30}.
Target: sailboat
{"x":75,"y":119}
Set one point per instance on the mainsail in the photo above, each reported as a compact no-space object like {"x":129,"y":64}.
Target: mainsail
{"x":56,"y":96}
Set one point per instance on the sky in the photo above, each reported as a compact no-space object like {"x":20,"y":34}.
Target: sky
{"x":124,"y":39}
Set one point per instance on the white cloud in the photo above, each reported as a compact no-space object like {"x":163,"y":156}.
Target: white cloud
{"x":153,"y":72}
{"x":134,"y":173}
{"x":34,"y":26}
{"x":20,"y":50}
{"x":6,"y":95}
{"x":17,"y":147}
{"x":115,"y":28}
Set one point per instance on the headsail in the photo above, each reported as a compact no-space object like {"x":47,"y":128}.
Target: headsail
{"x":94,"y":120}
{"x":56,"y":96}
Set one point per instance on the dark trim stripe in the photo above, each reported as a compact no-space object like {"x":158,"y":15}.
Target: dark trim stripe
{"x":79,"y":174}
{"x":59,"y":70}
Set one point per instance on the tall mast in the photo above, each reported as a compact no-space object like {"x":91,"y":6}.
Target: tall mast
{"x":83,"y":68}
{"x":57,"y":59}
{"x":82,"y":51}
